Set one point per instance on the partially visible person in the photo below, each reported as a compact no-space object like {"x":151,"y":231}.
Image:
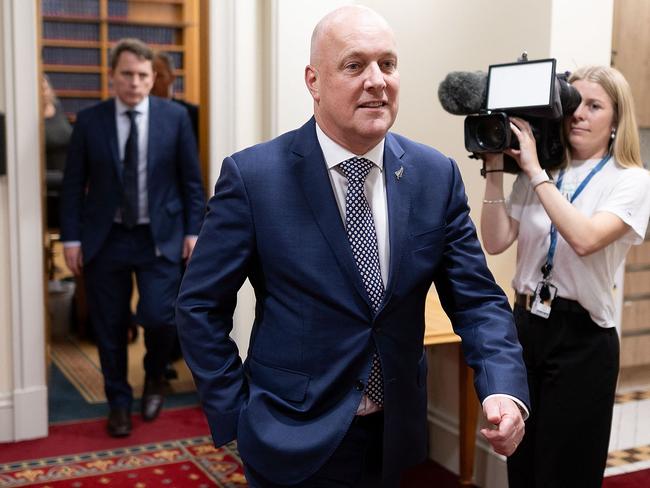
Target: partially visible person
{"x":132,"y":204}
{"x":342,"y":227}
{"x":163,"y":87}
{"x":573,"y":230}
{"x":57,"y":137}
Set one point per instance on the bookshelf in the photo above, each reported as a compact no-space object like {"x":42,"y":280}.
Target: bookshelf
{"x":76,"y":37}
{"x":635,"y":320}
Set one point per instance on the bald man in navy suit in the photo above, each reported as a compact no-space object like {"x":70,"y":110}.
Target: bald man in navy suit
{"x":342,"y":227}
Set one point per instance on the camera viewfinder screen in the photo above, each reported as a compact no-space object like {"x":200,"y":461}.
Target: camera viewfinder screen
{"x":520,"y":84}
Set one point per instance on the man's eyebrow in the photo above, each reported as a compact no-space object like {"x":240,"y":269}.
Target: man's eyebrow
{"x":356,"y":53}
{"x":129,"y":70}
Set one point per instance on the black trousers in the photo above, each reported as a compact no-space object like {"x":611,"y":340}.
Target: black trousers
{"x":572,"y":368}
{"x":356,"y":463}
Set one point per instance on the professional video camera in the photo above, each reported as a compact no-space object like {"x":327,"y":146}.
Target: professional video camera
{"x":527,"y":89}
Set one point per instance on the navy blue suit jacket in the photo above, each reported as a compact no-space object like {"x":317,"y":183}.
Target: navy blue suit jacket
{"x":274,"y":219}
{"x":92,"y":184}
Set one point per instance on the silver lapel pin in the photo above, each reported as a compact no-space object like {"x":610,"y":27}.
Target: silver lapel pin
{"x":399,"y":172}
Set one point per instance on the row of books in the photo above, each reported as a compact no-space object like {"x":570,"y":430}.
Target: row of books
{"x":74,"y":8}
{"x":87,"y":56}
{"x":179,"y":85}
{"x":177,"y":59}
{"x":71,"y":56}
{"x":87,"y":31}
{"x":149,"y":34}
{"x":75,"y":81}
{"x":118,"y":8}
{"x":83,"y":8}
{"x":73,"y":31}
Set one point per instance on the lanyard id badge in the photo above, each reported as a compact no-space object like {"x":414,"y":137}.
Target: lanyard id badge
{"x":545,"y":292}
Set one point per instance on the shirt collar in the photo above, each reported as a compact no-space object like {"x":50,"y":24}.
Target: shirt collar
{"x":142,"y":107}
{"x":335,"y":154}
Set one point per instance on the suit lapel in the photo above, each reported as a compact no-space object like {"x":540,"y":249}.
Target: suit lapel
{"x":398,"y":194}
{"x":315,"y":183}
{"x":110,"y":125}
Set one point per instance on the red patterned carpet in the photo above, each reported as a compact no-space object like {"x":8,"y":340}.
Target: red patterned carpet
{"x":182,"y":463}
{"x":90,"y":435}
{"x":175,"y":450}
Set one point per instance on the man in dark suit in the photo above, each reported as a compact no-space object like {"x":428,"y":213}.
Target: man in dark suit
{"x":341,"y":228}
{"x":132,"y":203}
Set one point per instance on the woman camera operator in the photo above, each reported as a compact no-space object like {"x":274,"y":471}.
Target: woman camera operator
{"x":573,"y":231}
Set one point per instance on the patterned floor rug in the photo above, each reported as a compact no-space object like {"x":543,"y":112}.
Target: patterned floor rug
{"x":182,"y":463}
{"x":79,"y":362}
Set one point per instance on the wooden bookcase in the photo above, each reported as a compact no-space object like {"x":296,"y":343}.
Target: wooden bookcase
{"x":635,"y":321}
{"x":76,"y":37}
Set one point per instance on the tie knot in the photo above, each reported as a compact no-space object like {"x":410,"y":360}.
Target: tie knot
{"x":131,"y":115}
{"x":356,"y":168}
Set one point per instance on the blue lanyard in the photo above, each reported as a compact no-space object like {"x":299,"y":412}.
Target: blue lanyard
{"x":546,"y":269}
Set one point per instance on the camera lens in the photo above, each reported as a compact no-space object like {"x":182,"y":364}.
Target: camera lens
{"x":491,"y":134}
{"x":487,"y":132}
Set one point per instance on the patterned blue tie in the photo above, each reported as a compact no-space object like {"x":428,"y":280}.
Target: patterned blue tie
{"x":130,"y":175}
{"x":361,"y":232}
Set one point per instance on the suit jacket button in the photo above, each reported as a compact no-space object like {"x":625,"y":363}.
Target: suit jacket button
{"x":359,"y":385}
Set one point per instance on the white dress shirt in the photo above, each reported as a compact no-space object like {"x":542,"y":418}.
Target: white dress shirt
{"x":375,"y":191}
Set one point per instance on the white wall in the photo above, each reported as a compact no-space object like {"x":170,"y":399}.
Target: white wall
{"x":237,"y":72}
{"x":293,"y":23}
{"x":5,"y":295}
{"x":582,"y":32}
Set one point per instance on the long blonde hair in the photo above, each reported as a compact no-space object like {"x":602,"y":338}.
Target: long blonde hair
{"x":625,"y":147}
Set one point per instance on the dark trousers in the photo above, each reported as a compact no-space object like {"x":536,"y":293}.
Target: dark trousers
{"x":109,"y":286}
{"x":356,"y":463}
{"x":572,"y":368}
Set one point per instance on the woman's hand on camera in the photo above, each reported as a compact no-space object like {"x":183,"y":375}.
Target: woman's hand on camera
{"x":526,"y":155}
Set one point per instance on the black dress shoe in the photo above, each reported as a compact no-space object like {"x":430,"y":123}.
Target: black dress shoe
{"x":119,"y":422}
{"x":152,"y":399}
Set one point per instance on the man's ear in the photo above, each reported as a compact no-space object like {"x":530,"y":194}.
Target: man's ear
{"x":312,"y":81}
